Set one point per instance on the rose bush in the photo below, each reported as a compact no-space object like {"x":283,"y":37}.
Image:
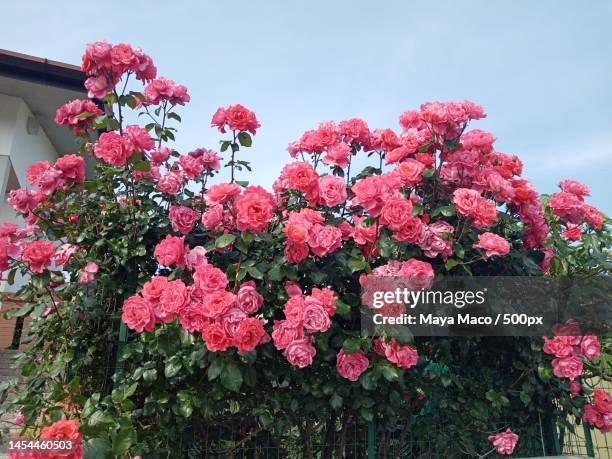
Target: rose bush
{"x":243,"y":303}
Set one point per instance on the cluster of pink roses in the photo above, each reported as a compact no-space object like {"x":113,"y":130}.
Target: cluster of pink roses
{"x":599,"y":412}
{"x":567,"y":347}
{"x":206,"y":307}
{"x":115,"y":149}
{"x":569,"y":206}
{"x":105,"y":64}
{"x":304,"y":315}
{"x":77,"y":115}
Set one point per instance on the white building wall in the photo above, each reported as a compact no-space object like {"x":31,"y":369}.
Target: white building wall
{"x":22,"y":142}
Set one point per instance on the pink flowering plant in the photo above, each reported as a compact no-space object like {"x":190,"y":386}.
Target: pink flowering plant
{"x":165,"y":302}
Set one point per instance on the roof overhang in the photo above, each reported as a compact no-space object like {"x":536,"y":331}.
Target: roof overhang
{"x":43,"y":85}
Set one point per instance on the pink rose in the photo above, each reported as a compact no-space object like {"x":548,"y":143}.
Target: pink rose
{"x":285,"y":332}
{"x":351,"y":366}
{"x":300,"y":353}
{"x":97,"y":56}
{"x":402,"y":356}
{"x":208,"y":279}
{"x":324,"y":239}
{"x":170,"y":183}
{"x":354,"y":129}
{"x":410,"y":171}
{"x":292,"y":289}
{"x":578,"y":189}
{"x":213,"y":216}
{"x":192,"y":167}
{"x":315,"y":317}
{"x":575,"y":388}
{"x":493,"y":244}
{"x":301,"y":176}
{"x":98,"y":87}
{"x":65,"y":429}
{"x":153,"y":289}
{"x":64,"y":253}
{"x":294,"y":310}
{"x":72,"y":167}
{"x":222,"y":193}
{"x":218,"y":303}
{"x":138,"y":314}
{"x":88,"y":273}
{"x":295,"y":252}
{"x":171,"y":251}
{"x":566,"y":206}
{"x":327,"y":298}
{"x":420,"y":274}
{"x":182,"y":218}
{"x":567,"y":367}
{"x":559,"y":346}
{"x":39,"y":254}
{"x":466,"y":201}
{"x":236,"y":117}
{"x":254,"y":209}
{"x":192,"y":318}
{"x":337,"y":155}
{"x":592,"y":216}
{"x":215,"y":337}
{"x":172,"y":300}
{"x":249,"y":334}
{"x":395,"y":212}
{"x":248,"y":299}
{"x":35,"y":170}
{"x":196,"y":257}
{"x":590,"y":347}
{"x":113,"y":149}
{"x":49,"y":181}
{"x":22,"y":200}
{"x":138,"y":137}
{"x":332,"y":190}
{"x":160,"y":155}
{"x":231,"y":320}
{"x":504,"y":442}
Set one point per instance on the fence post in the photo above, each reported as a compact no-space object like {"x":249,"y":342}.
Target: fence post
{"x":371,"y":440}
{"x":588,"y":440}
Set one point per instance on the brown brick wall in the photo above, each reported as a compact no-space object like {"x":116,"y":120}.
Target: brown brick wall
{"x":7,"y":327}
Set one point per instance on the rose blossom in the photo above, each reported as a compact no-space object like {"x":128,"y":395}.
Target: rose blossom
{"x":138,"y":138}
{"x":170,"y":183}
{"x":300,"y":352}
{"x":192,"y":318}
{"x":578,"y":189}
{"x":236,"y":117}
{"x":567,"y":367}
{"x":575,"y":388}
{"x":324,"y":239}
{"x":566,"y":206}
{"x":592,"y":216}
{"x":294,"y":310}
{"x":182,"y":218}
{"x":172,"y":300}
{"x":138,"y":314}
{"x":410,"y":172}
{"x":215,"y":337}
{"x":64,"y":253}
{"x":249,"y":334}
{"x":209,"y":279}
{"x":153,"y":289}
{"x":248,"y":299}
{"x":171,"y":251}
{"x":192,"y":167}
{"x":217,"y":303}
{"x":402,"y":356}
{"x":113,"y":149}
{"x":196,"y":257}
{"x":295,"y":252}
{"x":254,"y":209}
{"x":72,"y":167}
{"x":332,"y":190}
{"x":65,"y":429}
{"x":88,"y":273}
{"x":39,"y":254}
{"x":395,"y":212}
{"x":315,"y":317}
{"x":590,"y":347}
{"x":420,"y":274}
{"x":231,"y":320}
{"x":285,"y":332}
{"x":22,"y":200}
{"x":351,"y":366}
{"x":493,"y":244}
{"x":327,"y":298}
{"x":337,"y":155}
{"x":504,"y":442}
{"x":559,"y":346}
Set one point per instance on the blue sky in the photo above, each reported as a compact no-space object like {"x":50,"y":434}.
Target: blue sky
{"x":542,"y":69}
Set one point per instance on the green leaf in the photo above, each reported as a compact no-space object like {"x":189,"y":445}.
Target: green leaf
{"x":99,"y":417}
{"x":215,"y":368}
{"x":242,"y":183}
{"x":96,"y":448}
{"x":224,"y":240}
{"x":149,"y":375}
{"x":335,"y":401}
{"x":255,"y":273}
{"x":231,"y":377}
{"x":174,"y":116}
{"x":173,"y":366}
{"x":123,"y":440}
{"x":342,"y":309}
{"x":245,"y":139}
{"x":351,"y":345}
{"x":451,"y":263}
